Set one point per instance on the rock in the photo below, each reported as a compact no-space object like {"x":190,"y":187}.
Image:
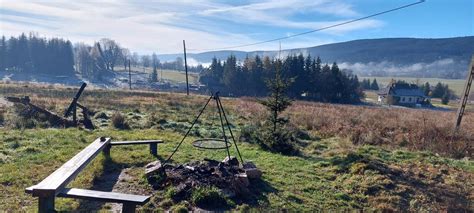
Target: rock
{"x":211,"y":163}
{"x":231,"y":161}
{"x":240,"y":184}
{"x":253,"y":173}
{"x":251,"y":170}
{"x":243,"y":179}
{"x":248,"y":165}
{"x":155,"y":173}
{"x":152,"y":168}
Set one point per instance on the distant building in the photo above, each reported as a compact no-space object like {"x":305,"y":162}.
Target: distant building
{"x":402,"y":93}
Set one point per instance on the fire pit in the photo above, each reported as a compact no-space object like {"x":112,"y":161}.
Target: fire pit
{"x":228,"y":176}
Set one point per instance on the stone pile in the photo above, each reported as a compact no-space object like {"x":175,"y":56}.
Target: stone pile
{"x":230,"y":177}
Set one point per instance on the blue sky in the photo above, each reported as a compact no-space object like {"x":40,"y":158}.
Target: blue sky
{"x":160,"y":26}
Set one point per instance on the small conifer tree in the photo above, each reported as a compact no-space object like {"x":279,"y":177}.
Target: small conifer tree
{"x":275,"y":135}
{"x":154,"y":75}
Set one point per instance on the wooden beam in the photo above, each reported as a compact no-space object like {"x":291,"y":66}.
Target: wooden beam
{"x":112,"y":197}
{"x":118,"y":143}
{"x":56,"y":181}
{"x":465,"y":97}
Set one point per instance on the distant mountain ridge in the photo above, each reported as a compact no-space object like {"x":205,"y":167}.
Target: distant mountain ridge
{"x":415,"y":57}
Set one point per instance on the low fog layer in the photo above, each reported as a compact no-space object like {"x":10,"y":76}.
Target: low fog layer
{"x":446,"y":68}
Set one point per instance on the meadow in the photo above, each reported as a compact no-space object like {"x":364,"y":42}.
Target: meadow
{"x":352,"y":157}
{"x":457,"y":85}
{"x":170,"y":75}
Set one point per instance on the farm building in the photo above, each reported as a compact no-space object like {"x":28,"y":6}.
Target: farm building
{"x":402,"y":93}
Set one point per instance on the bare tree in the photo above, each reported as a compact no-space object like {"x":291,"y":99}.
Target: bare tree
{"x":135,"y":59}
{"x":84,"y":62}
{"x":146,"y":61}
{"x":126,"y":55}
{"x":110,"y":51}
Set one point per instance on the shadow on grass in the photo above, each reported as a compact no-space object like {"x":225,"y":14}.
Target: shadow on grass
{"x":259,"y":191}
{"x":106,"y":181}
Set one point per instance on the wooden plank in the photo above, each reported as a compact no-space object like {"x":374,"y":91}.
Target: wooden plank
{"x":57,"y":180}
{"x":113,"y":197}
{"x":464,"y":99}
{"x":117,"y":143}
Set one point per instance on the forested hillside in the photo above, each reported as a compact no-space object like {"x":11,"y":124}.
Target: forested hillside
{"x":34,"y":55}
{"x":414,"y":57}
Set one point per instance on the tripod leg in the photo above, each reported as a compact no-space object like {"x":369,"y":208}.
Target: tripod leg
{"x":222,"y":125}
{"x":189,"y":130}
{"x":230,"y":130}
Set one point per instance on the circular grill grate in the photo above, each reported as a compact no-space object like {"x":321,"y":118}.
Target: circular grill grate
{"x":211,"y":143}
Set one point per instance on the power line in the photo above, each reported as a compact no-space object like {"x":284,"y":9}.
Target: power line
{"x":315,"y":30}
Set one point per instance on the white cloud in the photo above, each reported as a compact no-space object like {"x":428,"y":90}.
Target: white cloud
{"x":160,"y":26}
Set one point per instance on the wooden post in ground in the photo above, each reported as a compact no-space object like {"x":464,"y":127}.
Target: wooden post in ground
{"x":128,"y":208}
{"x":46,"y":204}
{"x":154,"y":149}
{"x":186,"y":67}
{"x":129,"y":75}
{"x":465,"y":97}
{"x":106,"y":151}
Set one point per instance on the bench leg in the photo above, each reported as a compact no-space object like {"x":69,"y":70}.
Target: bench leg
{"x":46,"y":204}
{"x":128,"y":208}
{"x":154,"y":149}
{"x":106,"y":151}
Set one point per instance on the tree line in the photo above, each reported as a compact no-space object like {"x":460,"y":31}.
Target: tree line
{"x":440,"y":90}
{"x":311,"y":79}
{"x":32,"y":54}
{"x":366,"y":85}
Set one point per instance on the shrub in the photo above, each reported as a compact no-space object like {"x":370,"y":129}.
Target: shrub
{"x":119,"y":122}
{"x":180,"y":208}
{"x":445,"y":99}
{"x":208,"y":197}
{"x":248,"y":133}
{"x":280,"y":141}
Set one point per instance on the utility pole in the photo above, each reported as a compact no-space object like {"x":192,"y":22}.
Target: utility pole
{"x":465,"y":97}
{"x":186,"y":67}
{"x":129,"y":75}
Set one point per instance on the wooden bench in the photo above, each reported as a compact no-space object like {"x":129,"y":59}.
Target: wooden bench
{"x":153,"y":144}
{"x":54,"y":185}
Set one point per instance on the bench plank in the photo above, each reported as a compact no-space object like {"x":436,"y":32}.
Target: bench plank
{"x":116,"y":143}
{"x":57,"y":180}
{"x":113,"y":197}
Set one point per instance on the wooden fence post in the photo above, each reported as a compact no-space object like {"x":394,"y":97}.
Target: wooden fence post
{"x":46,"y":204}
